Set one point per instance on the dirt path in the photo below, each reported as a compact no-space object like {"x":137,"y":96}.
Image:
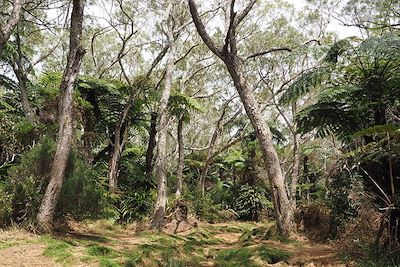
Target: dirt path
{"x":207,"y":245}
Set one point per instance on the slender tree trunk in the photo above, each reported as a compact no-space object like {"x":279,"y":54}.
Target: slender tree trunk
{"x":65,"y":132}
{"x":204,"y":170}
{"x":88,"y":125}
{"x":296,"y":160}
{"x":113,"y":161}
{"x":161,"y":202}
{"x":179,"y":172}
{"x":151,"y":144}
{"x":6,"y":31}
{"x":306,"y":175}
{"x":117,"y":146}
{"x":22,"y":82}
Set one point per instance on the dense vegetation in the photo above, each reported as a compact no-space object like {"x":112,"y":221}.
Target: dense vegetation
{"x":254,"y":111}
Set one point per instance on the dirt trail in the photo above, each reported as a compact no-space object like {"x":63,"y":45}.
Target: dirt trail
{"x":25,"y":249}
{"x":26,"y":255}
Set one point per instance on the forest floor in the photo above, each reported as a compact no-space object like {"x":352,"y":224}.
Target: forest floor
{"x":102,"y":243}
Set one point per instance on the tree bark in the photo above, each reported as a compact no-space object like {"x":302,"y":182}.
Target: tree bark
{"x":161,"y":202}
{"x":179,"y":172}
{"x":235,"y":66}
{"x":151,"y":144}
{"x":12,"y":22}
{"x":65,"y":132}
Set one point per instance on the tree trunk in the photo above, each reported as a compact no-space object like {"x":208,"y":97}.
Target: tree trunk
{"x":204,"y":170}
{"x":179,"y":172}
{"x":88,"y":125}
{"x":113,"y":161}
{"x":296,"y":160}
{"x":6,"y":31}
{"x":151,"y":144}
{"x":117,"y":146}
{"x":161,"y":202}
{"x":23,"y":81}
{"x":65,"y":132}
{"x":283,"y":208}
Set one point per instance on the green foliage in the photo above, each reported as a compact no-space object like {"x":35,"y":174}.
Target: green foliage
{"x":364,"y":83}
{"x":25,"y":182}
{"x":344,"y":199}
{"x":23,"y":188}
{"x":251,"y":200}
{"x":81,"y":196}
{"x":310,"y":80}
{"x":205,"y":208}
{"x":130,"y":205}
{"x":182,"y":105}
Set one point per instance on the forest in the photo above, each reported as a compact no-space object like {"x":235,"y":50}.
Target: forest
{"x":200,"y":133}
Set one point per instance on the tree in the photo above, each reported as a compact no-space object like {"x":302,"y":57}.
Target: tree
{"x":161,"y":174}
{"x":65,"y":120}
{"x":235,"y":65}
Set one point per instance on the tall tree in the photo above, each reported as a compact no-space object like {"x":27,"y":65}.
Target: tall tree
{"x":160,"y":167}
{"x":65,"y":131}
{"x":235,"y":65}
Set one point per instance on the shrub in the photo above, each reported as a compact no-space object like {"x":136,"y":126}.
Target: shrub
{"x":26,"y":182}
{"x":132,"y":205}
{"x":81,"y":196}
{"x":250,"y":202}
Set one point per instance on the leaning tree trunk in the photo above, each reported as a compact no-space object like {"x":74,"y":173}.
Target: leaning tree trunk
{"x":235,"y":66}
{"x":65,"y":132}
{"x":283,"y":208}
{"x":160,"y":168}
{"x":179,"y":172}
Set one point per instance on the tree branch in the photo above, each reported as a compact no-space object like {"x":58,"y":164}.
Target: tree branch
{"x":244,"y":13}
{"x":202,"y":30}
{"x":269,"y":51}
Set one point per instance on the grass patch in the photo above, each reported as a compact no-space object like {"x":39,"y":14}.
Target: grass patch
{"x":58,"y":250}
{"x":7,"y":244}
{"x":272,"y":255}
{"x":102,"y":251}
{"x":104,"y":262}
{"x":235,"y":257}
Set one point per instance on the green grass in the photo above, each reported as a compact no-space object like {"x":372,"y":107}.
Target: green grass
{"x":272,"y":255}
{"x":97,"y":250}
{"x":235,"y":257}
{"x":59,"y":250}
{"x":8,"y":244}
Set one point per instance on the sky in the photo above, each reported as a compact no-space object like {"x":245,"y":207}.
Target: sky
{"x":334,"y":26}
